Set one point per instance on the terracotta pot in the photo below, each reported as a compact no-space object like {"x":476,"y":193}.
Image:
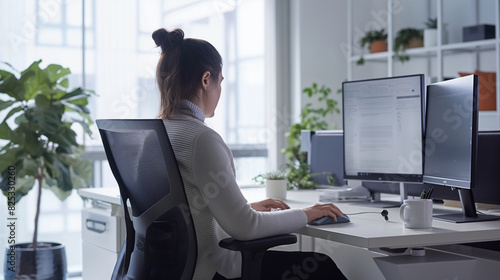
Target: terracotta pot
{"x":415,"y":43}
{"x":378,"y":46}
{"x":47,"y":262}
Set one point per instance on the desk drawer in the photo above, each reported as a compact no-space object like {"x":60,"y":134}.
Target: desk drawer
{"x":102,"y":229}
{"x":98,"y":263}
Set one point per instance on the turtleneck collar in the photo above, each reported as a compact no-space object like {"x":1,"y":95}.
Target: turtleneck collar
{"x":192,"y":109}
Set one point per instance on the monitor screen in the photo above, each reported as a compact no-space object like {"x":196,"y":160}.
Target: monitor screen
{"x":451,"y":132}
{"x":451,"y":138}
{"x":325,"y":157}
{"x":486,"y":190}
{"x":383,"y":129}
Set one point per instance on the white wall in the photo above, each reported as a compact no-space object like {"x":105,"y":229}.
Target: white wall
{"x":318,"y":29}
{"x":319,"y":38}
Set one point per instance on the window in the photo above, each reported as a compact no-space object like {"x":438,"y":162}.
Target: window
{"x":59,"y":23}
{"x":109,"y":49}
{"x":236,"y":29}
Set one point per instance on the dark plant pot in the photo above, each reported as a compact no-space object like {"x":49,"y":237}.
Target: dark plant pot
{"x":46,"y":262}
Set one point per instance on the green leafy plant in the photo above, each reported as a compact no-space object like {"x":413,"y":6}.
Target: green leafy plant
{"x":402,"y":40}
{"x":271,"y":175}
{"x":310,"y":119}
{"x":370,"y":37}
{"x":41,"y":146}
{"x":431,"y":23}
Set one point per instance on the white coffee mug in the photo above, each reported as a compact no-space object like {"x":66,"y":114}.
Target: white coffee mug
{"x":416,"y":213}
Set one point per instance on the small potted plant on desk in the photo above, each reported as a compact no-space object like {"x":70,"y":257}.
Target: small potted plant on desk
{"x":276,"y":184}
{"x":376,"y":40}
{"x":41,"y":151}
{"x":407,"y":38}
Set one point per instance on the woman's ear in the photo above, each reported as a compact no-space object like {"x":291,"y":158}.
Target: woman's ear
{"x":205,"y":80}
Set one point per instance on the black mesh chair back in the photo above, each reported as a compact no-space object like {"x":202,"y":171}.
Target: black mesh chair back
{"x":161,"y":240}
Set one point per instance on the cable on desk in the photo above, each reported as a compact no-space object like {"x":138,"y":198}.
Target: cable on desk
{"x":384,"y":213}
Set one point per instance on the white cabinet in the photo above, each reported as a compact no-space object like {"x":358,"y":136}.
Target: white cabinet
{"x":103,"y":232}
{"x":446,"y":59}
{"x":103,"y":235}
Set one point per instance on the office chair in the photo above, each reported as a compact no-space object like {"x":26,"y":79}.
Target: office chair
{"x":161,"y":238}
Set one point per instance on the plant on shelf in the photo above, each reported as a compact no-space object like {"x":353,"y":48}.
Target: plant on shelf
{"x":41,"y":147}
{"x":431,"y":23}
{"x":405,"y":39}
{"x":310,"y":119}
{"x":430,"y":32}
{"x":376,"y":40}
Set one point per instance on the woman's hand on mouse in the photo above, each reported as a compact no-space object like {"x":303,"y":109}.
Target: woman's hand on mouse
{"x":319,"y":210}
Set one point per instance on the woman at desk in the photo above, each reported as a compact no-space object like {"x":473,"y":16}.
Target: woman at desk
{"x":189,"y":76}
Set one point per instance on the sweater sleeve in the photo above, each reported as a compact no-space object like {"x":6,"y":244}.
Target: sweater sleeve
{"x":214,"y":177}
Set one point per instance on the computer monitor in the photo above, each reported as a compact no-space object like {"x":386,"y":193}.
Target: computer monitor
{"x":324,"y":150}
{"x":451,"y":138}
{"x":486,"y":191}
{"x":383,"y":129}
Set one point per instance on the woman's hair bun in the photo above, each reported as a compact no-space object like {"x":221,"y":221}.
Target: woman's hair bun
{"x":165,"y":39}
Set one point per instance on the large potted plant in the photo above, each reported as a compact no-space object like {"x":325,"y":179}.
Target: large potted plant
{"x":311,"y":118}
{"x":41,"y":150}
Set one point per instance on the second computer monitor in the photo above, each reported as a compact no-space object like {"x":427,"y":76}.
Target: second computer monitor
{"x":383,"y":129}
{"x":451,"y":143}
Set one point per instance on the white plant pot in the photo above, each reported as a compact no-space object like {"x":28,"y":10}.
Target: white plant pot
{"x":430,"y":37}
{"x":444,"y":37}
{"x":276,"y":189}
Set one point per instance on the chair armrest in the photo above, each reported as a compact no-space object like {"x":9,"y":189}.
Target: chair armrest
{"x":257,"y":244}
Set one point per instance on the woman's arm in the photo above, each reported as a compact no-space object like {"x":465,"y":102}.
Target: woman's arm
{"x":269,"y":204}
{"x":313,"y":212}
{"x":213,"y":174}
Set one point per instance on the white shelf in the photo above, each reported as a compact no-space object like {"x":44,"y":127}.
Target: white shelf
{"x":438,"y":61}
{"x":465,"y":47}
{"x":488,"y":44}
{"x":380,"y":57}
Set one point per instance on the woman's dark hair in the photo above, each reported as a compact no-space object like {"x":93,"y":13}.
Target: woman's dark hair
{"x":181,"y":66}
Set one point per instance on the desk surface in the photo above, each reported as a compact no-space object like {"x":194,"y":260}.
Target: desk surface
{"x":368,"y":230}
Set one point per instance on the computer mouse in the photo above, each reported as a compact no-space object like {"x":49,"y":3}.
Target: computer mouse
{"x":326,"y":220}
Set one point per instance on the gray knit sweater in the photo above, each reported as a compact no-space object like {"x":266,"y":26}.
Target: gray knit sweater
{"x":218,"y":207}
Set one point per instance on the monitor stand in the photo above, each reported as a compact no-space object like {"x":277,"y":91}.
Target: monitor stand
{"x":469,"y":213}
{"x":378,"y":203}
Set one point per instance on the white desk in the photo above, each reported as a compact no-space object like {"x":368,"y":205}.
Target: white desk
{"x":369,"y":230}
{"x":372,"y":231}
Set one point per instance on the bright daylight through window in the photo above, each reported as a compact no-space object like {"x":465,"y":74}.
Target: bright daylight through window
{"x":107,"y":45}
